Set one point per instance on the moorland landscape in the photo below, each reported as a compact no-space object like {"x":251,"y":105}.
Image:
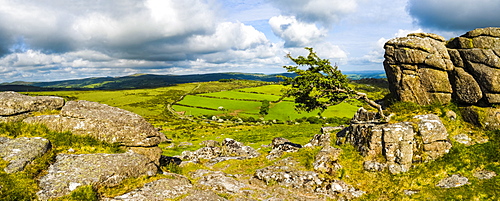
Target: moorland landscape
{"x":241,"y":139}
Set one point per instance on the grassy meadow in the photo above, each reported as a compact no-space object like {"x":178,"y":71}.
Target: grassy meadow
{"x":244,"y":99}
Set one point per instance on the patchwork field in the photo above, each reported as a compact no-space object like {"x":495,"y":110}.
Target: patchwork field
{"x":248,"y":101}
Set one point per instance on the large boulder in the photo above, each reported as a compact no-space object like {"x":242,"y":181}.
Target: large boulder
{"x":21,"y":151}
{"x":416,"y":67}
{"x":73,"y":170}
{"x":14,"y":104}
{"x":106,"y":123}
{"x":399,"y":144}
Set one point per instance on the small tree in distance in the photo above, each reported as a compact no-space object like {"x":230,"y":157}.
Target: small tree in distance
{"x":320,"y":85}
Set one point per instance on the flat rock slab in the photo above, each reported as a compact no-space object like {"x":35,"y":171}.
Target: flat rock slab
{"x":158,"y":190}
{"x":12,"y":103}
{"x":73,"y":170}
{"x":106,"y":123}
{"x":21,"y":151}
{"x":453,"y":181}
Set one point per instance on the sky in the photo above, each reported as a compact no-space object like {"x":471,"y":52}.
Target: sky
{"x":49,"y":40}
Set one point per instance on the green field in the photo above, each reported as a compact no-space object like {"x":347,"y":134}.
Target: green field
{"x":247,"y":102}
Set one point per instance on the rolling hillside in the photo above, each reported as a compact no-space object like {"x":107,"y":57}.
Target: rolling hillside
{"x":142,"y":81}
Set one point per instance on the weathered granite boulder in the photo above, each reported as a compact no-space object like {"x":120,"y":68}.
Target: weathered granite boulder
{"x":288,"y":176}
{"x":162,"y":189}
{"x":73,"y":170}
{"x":218,"y":181}
{"x":198,"y":195}
{"x":280,"y":146}
{"x":416,"y":68}
{"x":12,"y":103}
{"x":21,"y":151}
{"x":106,"y":123}
{"x":326,"y":160}
{"x":399,"y":144}
{"x":425,"y":69}
{"x":16,"y":107}
{"x":228,"y":150}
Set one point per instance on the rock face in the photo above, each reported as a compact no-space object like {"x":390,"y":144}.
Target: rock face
{"x":20,"y":151}
{"x":73,"y":170}
{"x":14,"y":105}
{"x":106,"y":123}
{"x":400,"y":144}
{"x":417,"y":66}
{"x":424,"y":68}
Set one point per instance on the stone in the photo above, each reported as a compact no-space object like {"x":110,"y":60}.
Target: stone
{"x":463,"y":139}
{"x":73,"y":170}
{"x":326,"y":160}
{"x":340,"y":187}
{"x":453,"y":181}
{"x":162,"y":189}
{"x":218,"y":181}
{"x":484,"y":174}
{"x":12,"y":103}
{"x":416,"y":68}
{"x":280,"y":146}
{"x":289,"y":177}
{"x":465,"y":88}
{"x":320,"y":140}
{"x":400,"y":144}
{"x":398,"y":139}
{"x":374,"y":166}
{"x":210,"y":143}
{"x":198,"y":195}
{"x":106,"y":123}
{"x":232,"y":147}
{"x":21,"y":151}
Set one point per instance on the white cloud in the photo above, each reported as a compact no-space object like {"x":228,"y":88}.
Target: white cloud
{"x":295,"y":33}
{"x":324,"y":11}
{"x":455,"y":14}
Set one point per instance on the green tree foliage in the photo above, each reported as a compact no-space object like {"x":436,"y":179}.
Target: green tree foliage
{"x":264,"y":109}
{"x":320,"y":85}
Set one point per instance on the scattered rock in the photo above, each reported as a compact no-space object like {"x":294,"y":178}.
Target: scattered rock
{"x":21,"y":151}
{"x":484,"y":174}
{"x":374,"y":166}
{"x":286,"y":176}
{"x":411,"y":192}
{"x":230,"y":149}
{"x":340,"y":187}
{"x":158,"y":190}
{"x":463,"y":139}
{"x":210,"y":143}
{"x":280,"y":146}
{"x":199,"y":195}
{"x":326,"y":160}
{"x":12,"y":103}
{"x":321,"y":139}
{"x":218,"y":181}
{"x":73,"y":170}
{"x":453,"y":181}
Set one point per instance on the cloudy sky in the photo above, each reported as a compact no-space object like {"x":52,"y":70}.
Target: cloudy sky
{"x":43,"y":40}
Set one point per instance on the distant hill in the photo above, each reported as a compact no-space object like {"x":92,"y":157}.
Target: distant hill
{"x":140,"y":81}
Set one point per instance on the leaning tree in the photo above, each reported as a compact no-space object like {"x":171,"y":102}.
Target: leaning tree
{"x":320,"y":85}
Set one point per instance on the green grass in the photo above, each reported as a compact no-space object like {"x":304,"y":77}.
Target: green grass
{"x":237,"y":95}
{"x":268,"y":89}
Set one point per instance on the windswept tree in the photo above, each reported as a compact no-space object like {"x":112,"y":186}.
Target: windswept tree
{"x":320,"y":85}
